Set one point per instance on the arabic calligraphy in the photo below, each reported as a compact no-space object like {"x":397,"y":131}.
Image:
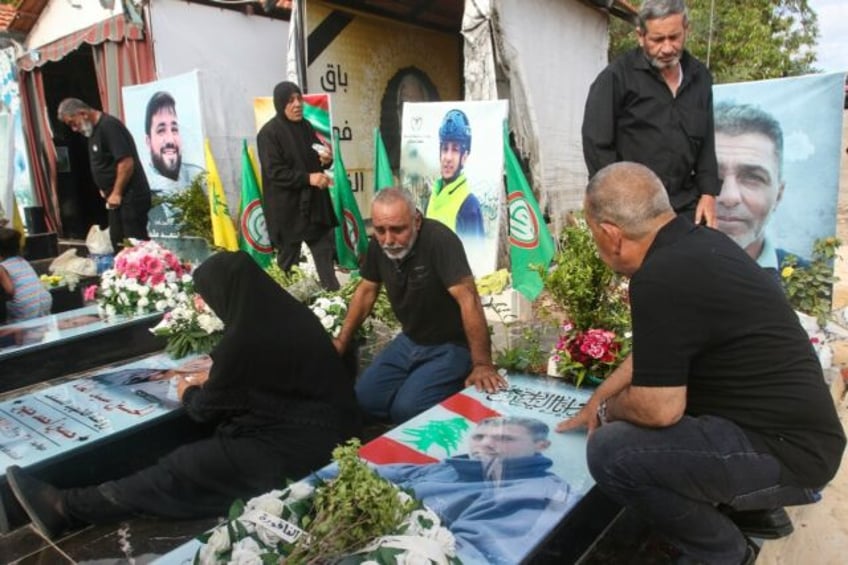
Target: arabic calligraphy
{"x":333,"y":77}
{"x":546,"y":402}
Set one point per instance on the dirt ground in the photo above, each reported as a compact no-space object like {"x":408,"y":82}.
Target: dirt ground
{"x":821,"y":529}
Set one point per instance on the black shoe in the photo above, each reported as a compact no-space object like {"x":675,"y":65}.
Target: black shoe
{"x":773,"y":523}
{"x":751,"y":552}
{"x":41,"y":501}
{"x":750,"y":557}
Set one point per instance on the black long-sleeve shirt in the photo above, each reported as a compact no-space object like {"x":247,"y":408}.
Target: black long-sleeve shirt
{"x":631,"y":115}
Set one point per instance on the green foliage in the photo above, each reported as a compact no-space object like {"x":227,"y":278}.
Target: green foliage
{"x":524,"y":356}
{"x":192,"y":207}
{"x":592,"y":295}
{"x":749,"y":40}
{"x":809,"y":286}
{"x":185,"y":343}
{"x":350,"y":510}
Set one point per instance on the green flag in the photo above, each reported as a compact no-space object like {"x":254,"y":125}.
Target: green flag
{"x":253,"y":233}
{"x":382,"y":168}
{"x":530,"y":242}
{"x":351,"y":242}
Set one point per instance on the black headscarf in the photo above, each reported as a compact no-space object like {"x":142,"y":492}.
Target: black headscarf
{"x":274,"y":354}
{"x":317,"y":207}
{"x":303,"y":136}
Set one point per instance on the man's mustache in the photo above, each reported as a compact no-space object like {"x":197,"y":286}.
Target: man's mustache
{"x":169,"y":146}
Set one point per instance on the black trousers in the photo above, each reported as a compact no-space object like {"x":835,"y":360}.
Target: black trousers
{"x":128,"y":220}
{"x":323,"y":249}
{"x":202,"y":479}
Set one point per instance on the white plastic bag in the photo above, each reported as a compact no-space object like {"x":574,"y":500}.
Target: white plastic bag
{"x":72,"y":268}
{"x":98,"y":241}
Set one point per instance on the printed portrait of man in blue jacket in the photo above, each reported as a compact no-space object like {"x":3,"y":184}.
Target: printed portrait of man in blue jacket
{"x":500,"y":499}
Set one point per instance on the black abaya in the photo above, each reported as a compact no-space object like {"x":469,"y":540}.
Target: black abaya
{"x":277,"y":388}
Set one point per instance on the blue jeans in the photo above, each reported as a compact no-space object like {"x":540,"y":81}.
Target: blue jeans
{"x":676,"y":476}
{"x":406,"y":379}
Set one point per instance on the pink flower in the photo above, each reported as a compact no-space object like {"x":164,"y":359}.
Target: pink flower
{"x":90,"y":293}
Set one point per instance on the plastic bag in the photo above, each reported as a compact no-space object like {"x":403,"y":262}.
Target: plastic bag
{"x":72,"y":268}
{"x":98,"y":241}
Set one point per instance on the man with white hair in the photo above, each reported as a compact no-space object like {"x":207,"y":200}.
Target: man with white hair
{"x":444,"y":344}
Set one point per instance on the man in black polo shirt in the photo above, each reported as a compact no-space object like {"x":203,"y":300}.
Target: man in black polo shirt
{"x":444,"y":344}
{"x":654,"y":105}
{"x":115,"y":167}
{"x":721,"y":413}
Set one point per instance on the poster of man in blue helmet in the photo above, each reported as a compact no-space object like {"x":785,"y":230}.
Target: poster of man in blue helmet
{"x":452,"y":161}
{"x":451,"y":200}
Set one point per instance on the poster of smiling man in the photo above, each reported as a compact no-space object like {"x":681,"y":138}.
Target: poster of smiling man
{"x":165,"y":120}
{"x":778,"y":149}
{"x":452,"y":161}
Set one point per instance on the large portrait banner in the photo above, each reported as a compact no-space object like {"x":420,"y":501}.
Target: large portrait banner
{"x":778,"y":149}
{"x":166,"y":123}
{"x":452,"y":161}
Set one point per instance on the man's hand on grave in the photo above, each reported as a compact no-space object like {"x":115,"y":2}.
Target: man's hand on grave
{"x":587,"y":417}
{"x":485,"y":377}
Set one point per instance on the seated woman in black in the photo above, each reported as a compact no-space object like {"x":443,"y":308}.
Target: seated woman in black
{"x":276,"y":387}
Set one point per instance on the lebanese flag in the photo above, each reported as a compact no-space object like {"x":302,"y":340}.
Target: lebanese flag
{"x":429,"y":437}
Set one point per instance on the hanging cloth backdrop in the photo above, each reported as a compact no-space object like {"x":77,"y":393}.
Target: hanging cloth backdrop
{"x":123,"y":56}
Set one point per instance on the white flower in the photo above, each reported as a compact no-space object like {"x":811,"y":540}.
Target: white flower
{"x":256,"y":501}
{"x":300,"y":490}
{"x":246,"y":552}
{"x":218,"y":542}
{"x":267,"y":535}
{"x":271,"y":505}
{"x":320,"y":312}
{"x":327,"y":322}
{"x":143,"y":302}
{"x":143,"y":290}
{"x":444,"y":538}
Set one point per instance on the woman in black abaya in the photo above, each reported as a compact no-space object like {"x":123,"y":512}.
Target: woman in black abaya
{"x":277,"y":389}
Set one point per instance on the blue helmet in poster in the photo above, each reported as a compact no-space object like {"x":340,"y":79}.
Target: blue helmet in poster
{"x":455,"y":127}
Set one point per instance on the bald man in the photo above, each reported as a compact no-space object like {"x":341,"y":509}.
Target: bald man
{"x":720,"y":416}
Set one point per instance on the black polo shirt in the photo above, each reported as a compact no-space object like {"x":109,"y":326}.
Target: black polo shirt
{"x":110,"y":142}
{"x":631,"y":115}
{"x":417,"y":284}
{"x":707,"y":317}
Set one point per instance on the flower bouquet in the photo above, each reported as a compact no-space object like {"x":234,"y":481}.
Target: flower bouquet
{"x":190,"y":327}
{"x":596,"y":337}
{"x":331,"y":311}
{"x":356,"y":517}
{"x":588,"y":355}
{"x":146,"y":278}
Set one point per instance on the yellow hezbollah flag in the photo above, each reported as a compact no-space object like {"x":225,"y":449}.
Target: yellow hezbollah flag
{"x":223,"y":230}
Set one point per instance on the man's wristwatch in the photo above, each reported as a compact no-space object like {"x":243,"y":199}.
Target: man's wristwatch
{"x":602,"y":412}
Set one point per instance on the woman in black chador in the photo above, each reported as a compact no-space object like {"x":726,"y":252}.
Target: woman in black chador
{"x":277,"y":388}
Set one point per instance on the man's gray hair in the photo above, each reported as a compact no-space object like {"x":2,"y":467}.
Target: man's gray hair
{"x":537,"y":429}
{"x":659,"y":9}
{"x":628,"y":195}
{"x":71,"y":106}
{"x":390,"y":195}
{"x":738,"y":119}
